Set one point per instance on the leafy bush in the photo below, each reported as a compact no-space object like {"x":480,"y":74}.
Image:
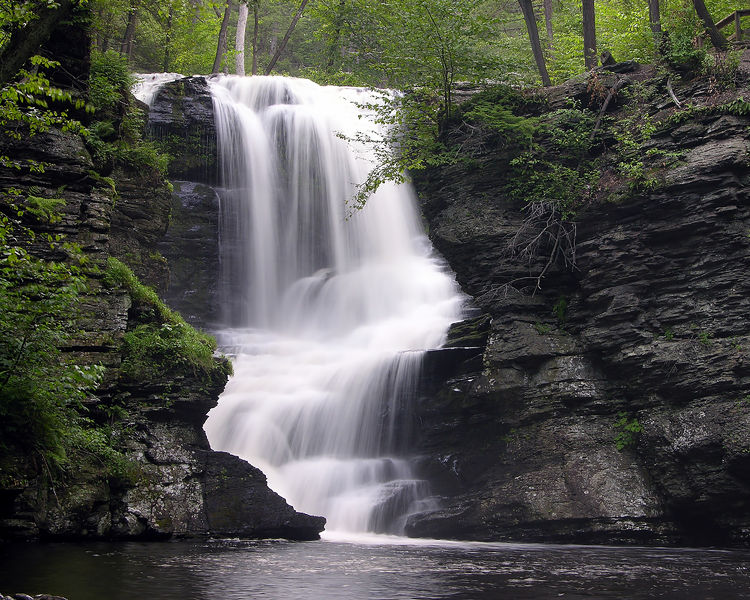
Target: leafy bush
{"x":682,"y":27}
{"x":109,"y":81}
{"x":628,"y":430}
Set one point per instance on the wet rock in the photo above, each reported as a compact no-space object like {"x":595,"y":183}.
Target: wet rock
{"x":191,"y":249}
{"x":240,"y":504}
{"x":182,"y":119}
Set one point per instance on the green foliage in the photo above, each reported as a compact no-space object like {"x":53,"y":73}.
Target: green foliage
{"x":628,"y":431}
{"x":721,"y":68}
{"x":560,"y":310}
{"x":163,"y":344}
{"x":640,"y":169}
{"x":542,"y":328}
{"x":537,"y":179}
{"x":683,"y":26}
{"x":109,"y":81}
{"x":117,"y":134}
{"x":25,"y":110}
{"x":738,"y":107}
{"x":41,"y":390}
{"x":411,"y":142}
{"x":495,"y":110}
{"x":557,"y":169}
{"x":44,"y":209}
{"x":152,"y":350}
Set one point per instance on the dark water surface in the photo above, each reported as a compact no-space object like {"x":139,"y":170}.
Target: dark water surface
{"x":230,"y":569}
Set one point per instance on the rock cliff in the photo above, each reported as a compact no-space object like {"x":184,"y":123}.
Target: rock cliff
{"x":612,"y":404}
{"x":168,"y":481}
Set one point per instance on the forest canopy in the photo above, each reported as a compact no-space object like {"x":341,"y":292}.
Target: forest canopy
{"x":390,"y":42}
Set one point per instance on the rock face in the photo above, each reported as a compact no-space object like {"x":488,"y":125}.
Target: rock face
{"x":643,"y":346}
{"x":190,"y":247}
{"x":182,"y":117}
{"x":171,"y":483}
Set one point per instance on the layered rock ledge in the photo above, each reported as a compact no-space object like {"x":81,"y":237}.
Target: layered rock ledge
{"x":649,"y":352}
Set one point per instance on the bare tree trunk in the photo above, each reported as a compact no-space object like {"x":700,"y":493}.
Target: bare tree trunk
{"x":25,"y":41}
{"x":221,"y":47}
{"x":718,"y":40}
{"x":126,"y":47}
{"x":528,"y":15}
{"x":548,"y":22}
{"x":255,"y":36}
{"x":239,"y":41}
{"x":168,"y":41}
{"x":654,"y":16}
{"x":589,"y":34}
{"x":289,"y":31}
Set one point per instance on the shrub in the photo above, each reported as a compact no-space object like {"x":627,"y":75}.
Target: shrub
{"x":109,"y":81}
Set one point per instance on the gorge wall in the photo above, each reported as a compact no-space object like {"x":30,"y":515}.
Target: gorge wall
{"x":643,"y":344}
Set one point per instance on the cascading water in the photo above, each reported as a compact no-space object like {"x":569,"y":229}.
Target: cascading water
{"x":327,"y":312}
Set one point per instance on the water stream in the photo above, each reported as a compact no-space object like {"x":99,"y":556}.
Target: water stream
{"x":327,"y":309}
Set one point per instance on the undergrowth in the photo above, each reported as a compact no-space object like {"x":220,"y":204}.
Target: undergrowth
{"x":162,"y":343}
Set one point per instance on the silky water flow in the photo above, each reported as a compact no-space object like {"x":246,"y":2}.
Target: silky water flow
{"x":328,"y":309}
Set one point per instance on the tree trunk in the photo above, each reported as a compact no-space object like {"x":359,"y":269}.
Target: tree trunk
{"x":589,"y":34}
{"x":528,"y":15}
{"x":654,"y":16}
{"x":126,"y":47}
{"x":255,"y":36}
{"x":548,"y":22}
{"x":168,"y":40}
{"x":221,"y":47}
{"x":333,"y":43}
{"x":25,"y":41}
{"x":239,"y":41}
{"x":289,"y":31}
{"x":717,"y":39}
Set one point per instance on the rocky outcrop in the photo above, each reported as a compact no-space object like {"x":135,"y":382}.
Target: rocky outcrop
{"x":166,"y":482}
{"x":613,"y":404}
{"x":190,"y":247}
{"x":182,"y":118}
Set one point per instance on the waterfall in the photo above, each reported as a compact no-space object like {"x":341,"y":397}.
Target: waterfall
{"x":147,"y":85}
{"x":327,"y":309}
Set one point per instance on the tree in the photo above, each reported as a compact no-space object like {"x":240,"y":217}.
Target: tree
{"x":221,"y":46}
{"x":239,"y":42}
{"x":717,"y":39}
{"x":589,"y":34}
{"x":289,"y":31}
{"x":548,"y":22}
{"x":256,"y":10}
{"x":654,"y":16}
{"x":168,"y":40}
{"x":126,"y":47}
{"x":528,"y":15}
{"x":30,"y":26}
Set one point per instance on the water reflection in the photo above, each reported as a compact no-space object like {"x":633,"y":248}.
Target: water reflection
{"x":378,"y":568}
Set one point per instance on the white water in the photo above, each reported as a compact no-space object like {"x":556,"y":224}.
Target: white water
{"x":147,"y":85}
{"x":327,"y":312}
